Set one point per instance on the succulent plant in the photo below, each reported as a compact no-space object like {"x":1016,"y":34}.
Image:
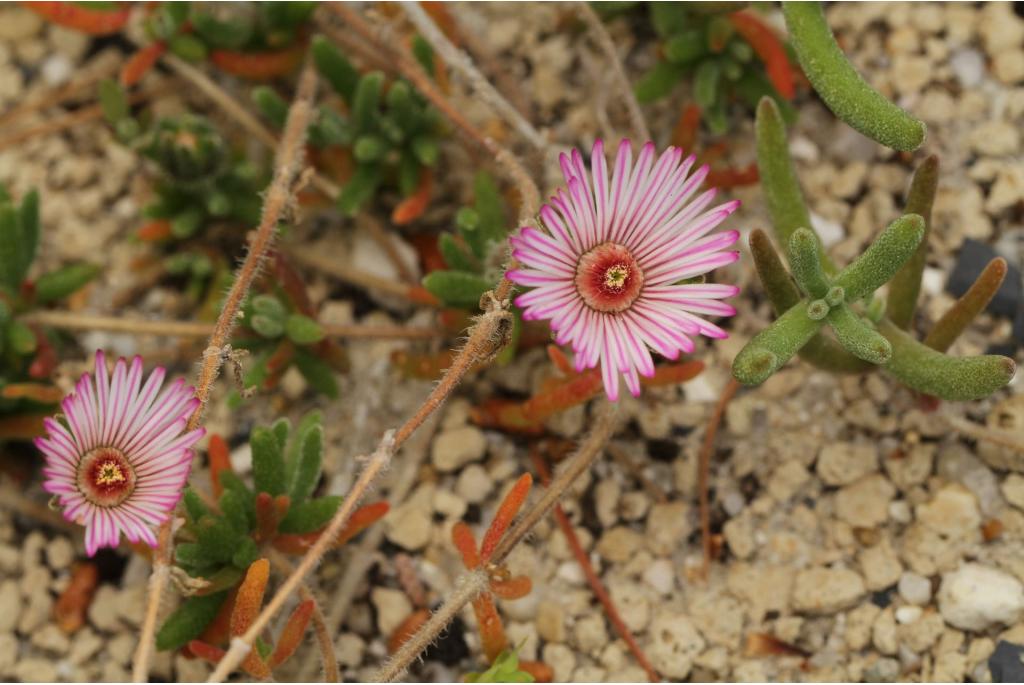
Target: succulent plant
{"x":388,"y":137}
{"x":727,"y":56}
{"x":27,"y":356}
{"x":475,"y":252}
{"x":218,"y":545}
{"x":844,"y":300}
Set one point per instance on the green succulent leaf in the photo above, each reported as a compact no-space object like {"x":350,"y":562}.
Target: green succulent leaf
{"x":246,"y":553}
{"x":28,"y":219}
{"x":770,"y":349}
{"x":857,"y":336}
{"x":307,"y":466}
{"x":845,"y":92}
{"x":805,"y":258}
{"x":706,"y":83}
{"x":60,"y":283}
{"x":883,"y":258}
{"x":457,"y":288}
{"x":189,"y":621}
{"x":685,"y":47}
{"x":216,"y":539}
{"x":271,"y":105}
{"x":317,"y":373}
{"x":333,"y":65}
{"x":233,"y":506}
{"x":267,"y":461}
{"x":454,"y":255}
{"x":359,"y":188}
{"x":659,"y":81}
{"x":187,"y":47}
{"x":113,"y":101}
{"x":951,"y":378}
{"x":905,"y":286}
{"x":779,"y":183}
{"x":309,"y":516}
{"x":821,"y":351}
{"x":194,"y":506}
{"x":505,"y":668}
{"x":11,"y":247}
{"x":366,"y":101}
{"x":303,"y":330}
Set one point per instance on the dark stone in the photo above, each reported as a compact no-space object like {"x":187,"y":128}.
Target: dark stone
{"x":663,"y":450}
{"x":883,"y":598}
{"x":973,"y":258}
{"x":450,"y":646}
{"x":1007,"y":663}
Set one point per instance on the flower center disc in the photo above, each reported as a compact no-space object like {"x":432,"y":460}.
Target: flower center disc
{"x":608,"y":278}
{"x":105,"y":477}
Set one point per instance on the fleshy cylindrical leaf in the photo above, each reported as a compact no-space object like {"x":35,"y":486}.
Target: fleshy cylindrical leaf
{"x":845,"y":92}
{"x":951,"y":378}
{"x":805,"y":258}
{"x":774,"y":346}
{"x":905,"y":286}
{"x":971,"y":303}
{"x":883,"y":258}
{"x":778,"y":178}
{"x":857,"y":337}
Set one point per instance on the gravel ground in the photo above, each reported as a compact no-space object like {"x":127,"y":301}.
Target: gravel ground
{"x":867,"y":535}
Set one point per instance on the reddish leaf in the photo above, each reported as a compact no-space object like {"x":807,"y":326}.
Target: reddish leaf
{"x":154,"y":231}
{"x":73,"y":15}
{"x":684,"y":135}
{"x":407,"y":629}
{"x":258,"y":65}
{"x":137,"y":66}
{"x":462,"y":538}
{"x":292,"y":284}
{"x":278,"y":363}
{"x":45,"y":361}
{"x":513,"y":588}
{"x":507,"y":511}
{"x":492,"y":633}
{"x":560,"y":361}
{"x":769,"y":49}
{"x":218,"y":631}
{"x":541,"y":672}
{"x":412,"y":207}
{"x":672,"y":374}
{"x":267,"y":517}
{"x":291,"y":636}
{"x":220,"y":461}
{"x":250,"y":596}
{"x":72,"y":605}
{"x":205,"y":651}
{"x":733,"y":178}
{"x":37,"y":392}
{"x":429,"y":253}
{"x":360,"y":520}
{"x":420,"y":295}
{"x":22,"y":426}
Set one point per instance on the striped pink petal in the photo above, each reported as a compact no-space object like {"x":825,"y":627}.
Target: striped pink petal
{"x":119,"y":461}
{"x":608,"y":271}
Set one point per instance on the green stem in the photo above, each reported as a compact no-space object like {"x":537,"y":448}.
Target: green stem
{"x":905,"y":286}
{"x":845,"y":92}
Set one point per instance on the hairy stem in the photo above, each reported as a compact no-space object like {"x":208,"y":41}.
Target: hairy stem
{"x":276,"y":204}
{"x":467,"y":588}
{"x":462,"y":63}
{"x":626,"y":92}
{"x":200,"y":329}
{"x":576,"y":464}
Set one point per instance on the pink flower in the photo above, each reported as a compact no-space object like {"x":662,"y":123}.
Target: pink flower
{"x":607,"y":271}
{"x":119,"y":462}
